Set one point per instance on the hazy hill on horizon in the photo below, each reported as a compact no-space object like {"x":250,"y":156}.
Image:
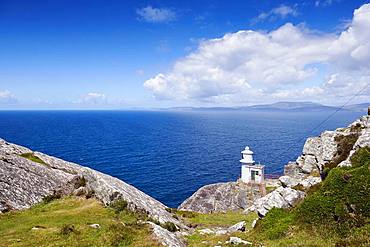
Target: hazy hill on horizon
{"x":280,"y":106}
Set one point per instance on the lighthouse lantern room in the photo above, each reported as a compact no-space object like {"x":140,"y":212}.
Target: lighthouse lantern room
{"x":251,"y":173}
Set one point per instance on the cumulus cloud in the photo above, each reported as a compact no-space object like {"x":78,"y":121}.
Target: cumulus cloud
{"x":155,"y":15}
{"x":250,"y":66}
{"x":280,"y":12}
{"x":6,"y":97}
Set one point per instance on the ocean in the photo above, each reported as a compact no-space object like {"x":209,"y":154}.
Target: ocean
{"x":168,"y":155}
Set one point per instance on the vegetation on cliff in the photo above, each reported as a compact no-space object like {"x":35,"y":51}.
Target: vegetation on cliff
{"x":339,"y":209}
{"x":69,"y":222}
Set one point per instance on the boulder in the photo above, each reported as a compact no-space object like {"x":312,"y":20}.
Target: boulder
{"x":222,"y":197}
{"x":279,"y":198}
{"x":291,"y":196}
{"x":206,"y":231}
{"x":166,"y":237}
{"x":287,"y":181}
{"x":310,"y":181}
{"x":254,"y":223}
{"x":240,"y":226}
{"x":293,"y":170}
{"x":237,"y":241}
{"x":309,"y":164}
{"x":95,"y":226}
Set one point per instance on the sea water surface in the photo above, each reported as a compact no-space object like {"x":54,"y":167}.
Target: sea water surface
{"x":168,"y":155}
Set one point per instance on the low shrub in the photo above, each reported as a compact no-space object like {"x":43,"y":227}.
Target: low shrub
{"x":119,"y":205}
{"x":90,"y":194}
{"x":171,"y":210}
{"x":80,"y":182}
{"x":186,"y":214}
{"x":68,"y":229}
{"x":121,"y":235}
{"x":170,"y":226}
{"x":52,"y":197}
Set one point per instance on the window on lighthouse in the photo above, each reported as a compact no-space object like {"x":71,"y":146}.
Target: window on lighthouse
{"x":254,"y":174}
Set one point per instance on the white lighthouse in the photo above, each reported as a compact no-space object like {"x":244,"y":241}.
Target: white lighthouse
{"x":251,"y":173}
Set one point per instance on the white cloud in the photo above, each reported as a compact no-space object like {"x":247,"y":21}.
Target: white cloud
{"x":280,"y":12}
{"x":6,"y":97}
{"x":250,"y":66}
{"x":93,"y":98}
{"x":156,"y":15}
{"x":324,"y":3}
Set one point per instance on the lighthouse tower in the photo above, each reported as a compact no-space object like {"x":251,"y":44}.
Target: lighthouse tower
{"x":251,"y":173}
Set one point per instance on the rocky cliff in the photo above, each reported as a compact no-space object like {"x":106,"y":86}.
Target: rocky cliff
{"x":320,"y":154}
{"x":28,"y":177}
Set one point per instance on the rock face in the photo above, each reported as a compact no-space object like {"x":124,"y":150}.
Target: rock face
{"x":317,"y":152}
{"x":222,"y":197}
{"x":24,"y":182}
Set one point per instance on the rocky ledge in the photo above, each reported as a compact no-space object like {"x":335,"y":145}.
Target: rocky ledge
{"x":221,"y":197}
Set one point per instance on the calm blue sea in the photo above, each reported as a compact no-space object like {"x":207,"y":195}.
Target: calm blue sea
{"x":168,"y":155}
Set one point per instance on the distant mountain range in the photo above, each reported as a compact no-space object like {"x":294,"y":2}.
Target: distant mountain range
{"x":279,"y":106}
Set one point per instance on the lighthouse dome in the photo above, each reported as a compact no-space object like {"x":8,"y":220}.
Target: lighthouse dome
{"x":247,"y":151}
{"x":247,"y":156}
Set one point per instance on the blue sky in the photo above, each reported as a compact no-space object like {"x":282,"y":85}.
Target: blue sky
{"x":108,"y":54}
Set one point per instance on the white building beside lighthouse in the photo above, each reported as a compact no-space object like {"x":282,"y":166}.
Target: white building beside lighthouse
{"x":251,"y":173}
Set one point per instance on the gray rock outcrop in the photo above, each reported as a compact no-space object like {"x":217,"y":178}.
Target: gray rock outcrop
{"x":317,"y":152}
{"x":222,"y":197}
{"x":166,"y":237}
{"x":279,"y":198}
{"x":24,"y":182}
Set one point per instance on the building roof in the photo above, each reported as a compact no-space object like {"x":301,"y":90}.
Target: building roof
{"x":246,"y":151}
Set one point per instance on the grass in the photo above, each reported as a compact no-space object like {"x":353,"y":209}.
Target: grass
{"x":270,"y":189}
{"x":215,"y":219}
{"x":65,"y":222}
{"x":33,"y":158}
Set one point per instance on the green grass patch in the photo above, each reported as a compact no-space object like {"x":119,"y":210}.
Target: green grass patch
{"x":65,"y":222}
{"x":215,"y":219}
{"x":270,"y":189}
{"x":277,"y":224}
{"x":33,"y":158}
